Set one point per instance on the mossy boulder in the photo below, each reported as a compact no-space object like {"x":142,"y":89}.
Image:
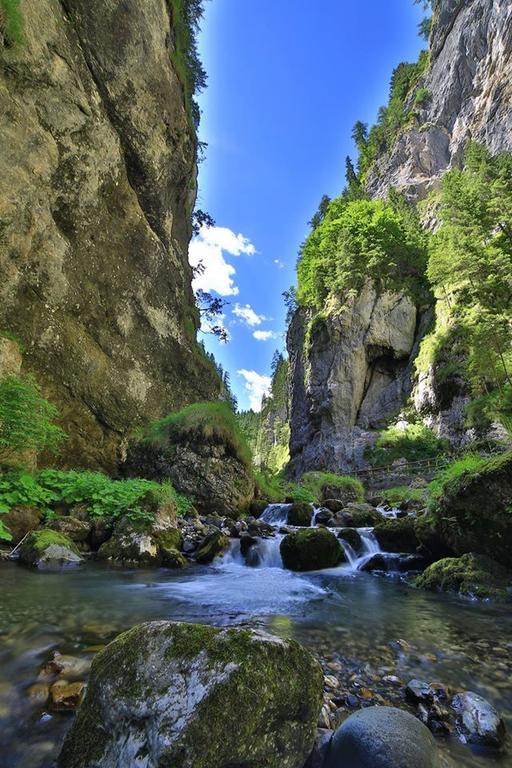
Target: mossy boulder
{"x":471,"y":575}
{"x":300,"y":514}
{"x":21,"y":520}
{"x":74,"y":529}
{"x":431,"y":541}
{"x":359,"y":516}
{"x":474,"y":511}
{"x":211,"y":546}
{"x":192,"y":696}
{"x":47,"y":549}
{"x":352,"y":537}
{"x":145,"y":543}
{"x":311,"y":550}
{"x":397,"y":535}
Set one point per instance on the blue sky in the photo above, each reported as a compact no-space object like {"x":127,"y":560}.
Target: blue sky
{"x":287,"y":80}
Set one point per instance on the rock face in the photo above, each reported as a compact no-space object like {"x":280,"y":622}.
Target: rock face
{"x":47,"y":549}
{"x":97,"y":182}
{"x":347,"y":375}
{"x":382,"y":737}
{"x":193,"y":696}
{"x":469,"y":96}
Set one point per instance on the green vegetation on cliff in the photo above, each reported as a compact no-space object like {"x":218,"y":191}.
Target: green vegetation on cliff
{"x":187,"y":16}
{"x":202,"y":422}
{"x":412,"y":442}
{"x":11,"y":21}
{"x":26,"y":420}
{"x":359,"y":240}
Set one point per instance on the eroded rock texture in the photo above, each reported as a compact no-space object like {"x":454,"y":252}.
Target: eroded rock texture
{"x":97,"y":181}
{"x":470,"y":91}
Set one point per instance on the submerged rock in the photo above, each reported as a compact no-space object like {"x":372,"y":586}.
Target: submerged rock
{"x":311,"y":549}
{"x":170,"y":694}
{"x":46,"y":549}
{"x":470,"y":575}
{"x":478,"y":721}
{"x":382,"y":737}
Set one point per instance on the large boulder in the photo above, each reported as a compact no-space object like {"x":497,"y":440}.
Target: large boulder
{"x":143,"y":544}
{"x":46,"y":549}
{"x":397,"y":535}
{"x":473,"y":513}
{"x":382,"y":737}
{"x":76,"y":530}
{"x":311,"y":550}
{"x":470,"y":575}
{"x":169,"y":694}
{"x":211,"y":546}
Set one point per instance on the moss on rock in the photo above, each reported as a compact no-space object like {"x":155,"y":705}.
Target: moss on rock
{"x":473,"y":513}
{"x":470,"y":575}
{"x":193,"y":696}
{"x":47,"y":549}
{"x":397,"y":535}
{"x":212,"y":545}
{"x":300,"y":514}
{"x":311,"y":550}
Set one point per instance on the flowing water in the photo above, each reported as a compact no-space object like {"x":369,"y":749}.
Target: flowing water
{"x":342,"y":614}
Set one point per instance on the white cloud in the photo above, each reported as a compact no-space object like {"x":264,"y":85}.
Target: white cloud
{"x":256,"y":386}
{"x":279,"y":264}
{"x":208,"y":249}
{"x":248,"y":315}
{"x":265,"y":335}
{"x":226,"y":240}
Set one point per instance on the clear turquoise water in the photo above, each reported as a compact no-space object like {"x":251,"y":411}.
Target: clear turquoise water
{"x":458,"y":643}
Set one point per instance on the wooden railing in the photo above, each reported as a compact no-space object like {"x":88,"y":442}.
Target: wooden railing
{"x":407,"y":468}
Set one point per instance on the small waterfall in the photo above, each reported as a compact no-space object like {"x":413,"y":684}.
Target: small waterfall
{"x":370,"y":547}
{"x":265,"y":553}
{"x":275,"y":514}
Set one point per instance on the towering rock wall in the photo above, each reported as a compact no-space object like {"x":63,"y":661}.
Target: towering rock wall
{"x":97,"y":183}
{"x":354,"y":368}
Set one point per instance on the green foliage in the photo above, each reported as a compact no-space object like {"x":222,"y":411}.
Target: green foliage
{"x":470,"y":265}
{"x":11,"y":21}
{"x":359,"y":240}
{"x":493,"y":407}
{"x":422,"y":96}
{"x":135,"y":498}
{"x":467,"y":463}
{"x":26,"y":420}
{"x":315,"y":481}
{"x":203,"y":422}
{"x":187,"y":16}
{"x":413,"y":442}
{"x":275,"y":489}
{"x":402,"y":495}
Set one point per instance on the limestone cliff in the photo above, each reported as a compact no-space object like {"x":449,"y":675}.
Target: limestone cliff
{"x":469,"y":92}
{"x":97,"y":184}
{"x":352,"y":368}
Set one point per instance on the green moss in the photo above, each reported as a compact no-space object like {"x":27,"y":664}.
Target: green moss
{"x":185,"y":57}
{"x":470,"y":575}
{"x":300,"y":514}
{"x":212,"y":546}
{"x":402,"y":497}
{"x":41,"y":540}
{"x":397,"y":535}
{"x":413,"y":442}
{"x":311,"y":549}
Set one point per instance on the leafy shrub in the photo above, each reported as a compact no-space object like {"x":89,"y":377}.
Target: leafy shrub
{"x":315,"y":481}
{"x":402,"y":495}
{"x":5,"y":534}
{"x":104,"y":497}
{"x":202,"y":422}
{"x":26,"y":419}
{"x":413,"y":442}
{"x":11,"y":21}
{"x":422,"y":96}
{"x":357,"y":241}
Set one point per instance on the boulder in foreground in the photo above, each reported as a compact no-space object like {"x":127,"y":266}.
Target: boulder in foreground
{"x":46,"y":549}
{"x":192,"y":696}
{"x":382,"y":737}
